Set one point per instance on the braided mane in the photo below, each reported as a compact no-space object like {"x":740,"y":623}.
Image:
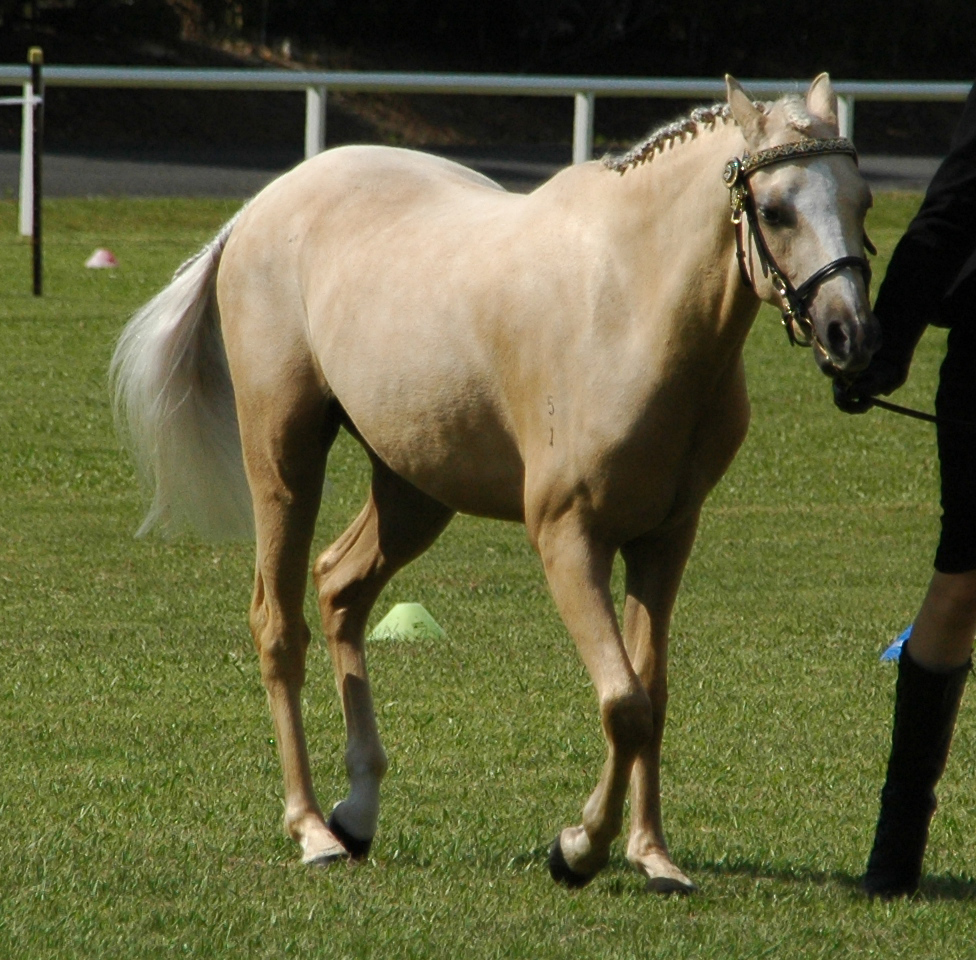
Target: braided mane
{"x":702,"y":118}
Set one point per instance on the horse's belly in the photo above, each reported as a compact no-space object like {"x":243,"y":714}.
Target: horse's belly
{"x":471,"y":467}
{"x":431,"y":416}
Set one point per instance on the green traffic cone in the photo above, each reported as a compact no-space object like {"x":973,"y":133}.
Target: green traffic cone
{"x":407,"y":621}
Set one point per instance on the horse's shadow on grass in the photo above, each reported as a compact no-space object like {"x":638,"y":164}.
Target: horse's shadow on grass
{"x":620,"y":878}
{"x":945,"y":887}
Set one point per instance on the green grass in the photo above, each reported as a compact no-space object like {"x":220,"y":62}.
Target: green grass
{"x":140,"y":791}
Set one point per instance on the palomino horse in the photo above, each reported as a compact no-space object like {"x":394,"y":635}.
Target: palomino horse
{"x":570,"y":358}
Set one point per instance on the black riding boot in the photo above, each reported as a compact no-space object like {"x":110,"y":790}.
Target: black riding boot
{"x":926,"y":703}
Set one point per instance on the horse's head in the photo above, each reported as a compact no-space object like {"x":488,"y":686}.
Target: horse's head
{"x":799,"y":203}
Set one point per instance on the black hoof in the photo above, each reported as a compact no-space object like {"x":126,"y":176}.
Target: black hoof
{"x":358,"y":849}
{"x":562,"y":872}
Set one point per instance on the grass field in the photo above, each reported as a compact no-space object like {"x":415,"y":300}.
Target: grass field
{"x":140,"y":791}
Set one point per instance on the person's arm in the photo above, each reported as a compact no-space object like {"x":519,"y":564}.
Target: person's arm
{"x":925,"y":264}
{"x":937,"y":243}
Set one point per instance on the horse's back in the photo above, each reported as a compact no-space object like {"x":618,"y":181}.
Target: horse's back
{"x":366,"y":175}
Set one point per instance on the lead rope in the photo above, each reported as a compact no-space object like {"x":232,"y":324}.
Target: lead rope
{"x":915,"y":414}
{"x":920,"y":414}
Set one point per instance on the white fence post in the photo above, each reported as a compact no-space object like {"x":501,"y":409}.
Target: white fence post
{"x":26,"y":198}
{"x":314,"y":120}
{"x":583,"y":126}
{"x":845,"y":116}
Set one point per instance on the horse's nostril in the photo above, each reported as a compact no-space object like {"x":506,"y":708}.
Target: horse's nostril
{"x":838,"y":341}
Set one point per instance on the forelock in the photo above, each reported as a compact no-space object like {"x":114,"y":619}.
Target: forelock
{"x":796,"y":115}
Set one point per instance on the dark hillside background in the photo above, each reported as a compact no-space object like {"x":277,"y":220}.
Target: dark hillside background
{"x":853,"y":39}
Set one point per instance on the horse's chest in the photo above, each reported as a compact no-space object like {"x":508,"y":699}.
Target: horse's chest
{"x":661,"y":474}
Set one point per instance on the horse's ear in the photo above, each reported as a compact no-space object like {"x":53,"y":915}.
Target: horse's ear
{"x":748,"y":116}
{"x":822,"y":101}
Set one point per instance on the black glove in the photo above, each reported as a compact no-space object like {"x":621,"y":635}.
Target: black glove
{"x":847,"y":398}
{"x":881,"y":376}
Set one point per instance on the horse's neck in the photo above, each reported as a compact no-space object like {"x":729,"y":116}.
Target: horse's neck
{"x":679,"y":232}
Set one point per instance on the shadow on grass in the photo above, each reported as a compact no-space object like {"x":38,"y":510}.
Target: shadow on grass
{"x":938,"y":887}
{"x":946,"y":887}
{"x":619,"y":877}
{"x":941,"y":887}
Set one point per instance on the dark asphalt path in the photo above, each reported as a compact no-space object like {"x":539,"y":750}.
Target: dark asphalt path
{"x":75,"y":175}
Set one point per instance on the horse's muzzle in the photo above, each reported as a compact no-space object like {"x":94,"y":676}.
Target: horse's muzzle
{"x":847,"y":343}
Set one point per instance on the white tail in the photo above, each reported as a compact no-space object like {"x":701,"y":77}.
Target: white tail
{"x":174,"y":400}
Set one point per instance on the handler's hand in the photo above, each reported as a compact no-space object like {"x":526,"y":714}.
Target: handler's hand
{"x":881,"y":376}
{"x":849,"y":399}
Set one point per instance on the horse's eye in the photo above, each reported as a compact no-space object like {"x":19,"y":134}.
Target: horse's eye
{"x":772,"y":214}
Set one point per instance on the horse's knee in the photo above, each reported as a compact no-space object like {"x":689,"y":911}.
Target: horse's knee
{"x":628,"y":720}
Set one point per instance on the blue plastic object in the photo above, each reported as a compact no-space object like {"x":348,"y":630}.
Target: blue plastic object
{"x":893,"y":651}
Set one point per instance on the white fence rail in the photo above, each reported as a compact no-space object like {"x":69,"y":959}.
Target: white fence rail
{"x":583,"y":90}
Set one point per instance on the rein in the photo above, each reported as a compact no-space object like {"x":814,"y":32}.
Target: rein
{"x":795,"y":300}
{"x":920,"y":414}
{"x":915,"y":414}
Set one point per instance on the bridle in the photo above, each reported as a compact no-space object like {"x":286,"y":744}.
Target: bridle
{"x":795,"y":300}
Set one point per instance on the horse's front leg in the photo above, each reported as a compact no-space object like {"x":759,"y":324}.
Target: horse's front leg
{"x":654,"y":568}
{"x":578,"y":571}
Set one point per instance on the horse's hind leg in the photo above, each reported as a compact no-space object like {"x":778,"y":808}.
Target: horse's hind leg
{"x":287,"y":425}
{"x":397,"y":524}
{"x":654,"y":568}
